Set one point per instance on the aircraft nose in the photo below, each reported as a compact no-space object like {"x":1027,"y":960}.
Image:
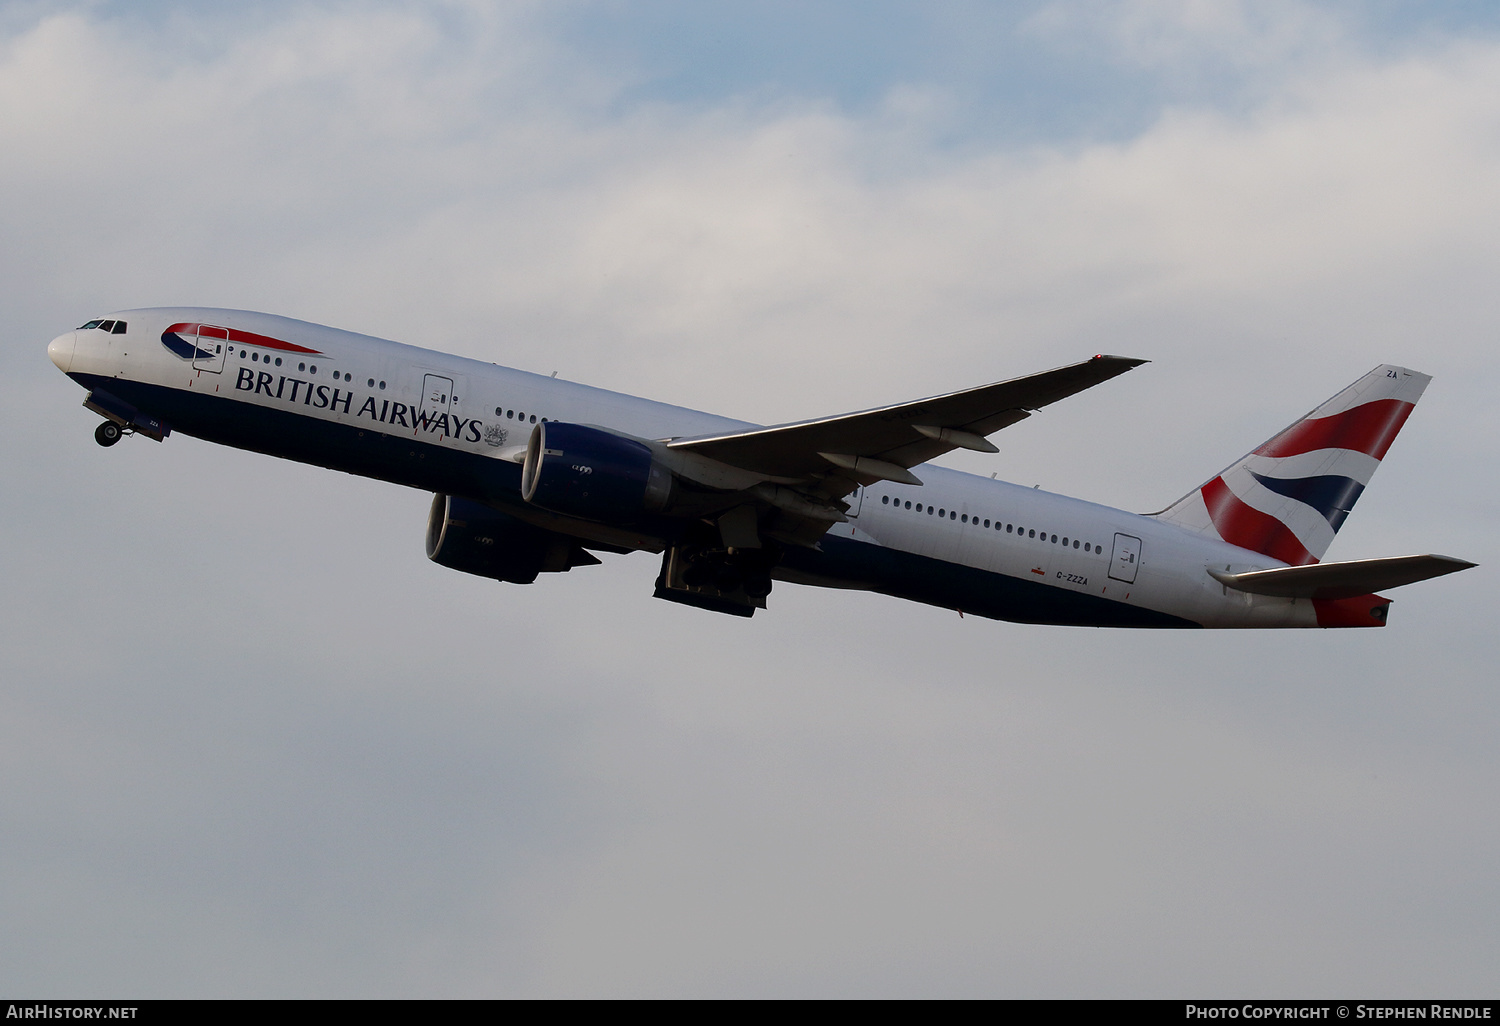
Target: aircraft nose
{"x":60,"y":350}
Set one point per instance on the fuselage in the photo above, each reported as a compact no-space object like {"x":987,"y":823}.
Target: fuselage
{"x":453,"y":425}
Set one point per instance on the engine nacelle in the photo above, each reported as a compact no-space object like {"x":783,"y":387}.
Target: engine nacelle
{"x":592,"y":474}
{"x":471,"y":537}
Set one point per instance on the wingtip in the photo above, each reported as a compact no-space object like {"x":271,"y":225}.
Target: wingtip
{"x":1128,"y":360}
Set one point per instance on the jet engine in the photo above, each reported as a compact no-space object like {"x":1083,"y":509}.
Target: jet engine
{"x":471,"y":537}
{"x":592,"y":474}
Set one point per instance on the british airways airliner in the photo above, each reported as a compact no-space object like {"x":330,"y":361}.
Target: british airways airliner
{"x":534,"y":475}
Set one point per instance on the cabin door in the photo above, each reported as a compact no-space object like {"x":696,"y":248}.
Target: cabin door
{"x":210,"y":346}
{"x":1126,"y":559}
{"x":437,"y":398}
{"x":856,"y":500}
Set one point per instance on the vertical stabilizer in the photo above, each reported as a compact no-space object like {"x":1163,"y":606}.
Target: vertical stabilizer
{"x":1288,"y":497}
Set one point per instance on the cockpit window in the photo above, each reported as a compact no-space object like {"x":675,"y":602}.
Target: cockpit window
{"x":90,"y":325}
{"x":119,"y":328}
{"x":107,"y":326}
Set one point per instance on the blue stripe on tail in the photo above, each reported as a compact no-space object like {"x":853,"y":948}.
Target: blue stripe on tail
{"x":1331,"y":496}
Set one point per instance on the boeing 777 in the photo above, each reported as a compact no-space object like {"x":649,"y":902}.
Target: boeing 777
{"x":534,"y":475}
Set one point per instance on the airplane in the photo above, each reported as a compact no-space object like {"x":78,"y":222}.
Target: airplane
{"x":534,"y":475}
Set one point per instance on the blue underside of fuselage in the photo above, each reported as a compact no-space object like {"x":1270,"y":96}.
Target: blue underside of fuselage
{"x":968,"y":589}
{"x":435,"y":468}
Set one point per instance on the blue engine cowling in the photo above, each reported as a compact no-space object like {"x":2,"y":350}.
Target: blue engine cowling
{"x":591,"y":473}
{"x":470,"y":537}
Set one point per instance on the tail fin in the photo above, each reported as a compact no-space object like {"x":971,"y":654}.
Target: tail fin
{"x":1288,"y":497}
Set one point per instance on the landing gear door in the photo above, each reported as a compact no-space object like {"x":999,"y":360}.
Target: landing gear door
{"x":1126,"y":559}
{"x":209,"y":348}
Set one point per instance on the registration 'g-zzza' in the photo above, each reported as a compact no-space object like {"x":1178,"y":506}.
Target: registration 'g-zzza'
{"x":532,"y":475}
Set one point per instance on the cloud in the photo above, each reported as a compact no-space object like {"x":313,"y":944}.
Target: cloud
{"x":1194,"y":35}
{"x":260,"y":746}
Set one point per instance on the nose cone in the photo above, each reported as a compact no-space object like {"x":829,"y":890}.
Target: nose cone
{"x":60,"y":350}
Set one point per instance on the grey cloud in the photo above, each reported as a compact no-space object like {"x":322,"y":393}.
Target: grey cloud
{"x":255,"y":744}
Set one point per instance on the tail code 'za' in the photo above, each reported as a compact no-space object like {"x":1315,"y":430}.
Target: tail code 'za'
{"x":1289,"y":497}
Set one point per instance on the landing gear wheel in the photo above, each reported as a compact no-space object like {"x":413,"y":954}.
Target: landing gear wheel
{"x":757,"y":584}
{"x":107,"y":434}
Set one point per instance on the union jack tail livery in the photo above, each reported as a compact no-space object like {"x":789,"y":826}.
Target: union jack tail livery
{"x":1288,"y":497}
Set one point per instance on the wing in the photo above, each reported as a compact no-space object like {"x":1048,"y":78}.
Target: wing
{"x":880,"y":444}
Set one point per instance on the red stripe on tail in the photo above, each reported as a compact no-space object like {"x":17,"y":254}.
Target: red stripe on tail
{"x":1249,"y":528}
{"x":1369,"y":429}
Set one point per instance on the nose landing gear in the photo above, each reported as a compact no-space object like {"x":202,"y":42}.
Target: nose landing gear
{"x":121,"y":419}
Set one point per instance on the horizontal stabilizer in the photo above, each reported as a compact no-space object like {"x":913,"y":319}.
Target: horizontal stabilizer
{"x":1341,"y":580}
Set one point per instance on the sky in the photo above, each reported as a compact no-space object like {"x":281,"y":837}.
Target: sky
{"x":254,"y":744}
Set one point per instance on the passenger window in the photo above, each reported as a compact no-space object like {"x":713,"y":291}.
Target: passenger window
{"x":1031,"y":533}
{"x":919,"y":507}
{"x":908,"y":504}
{"x":885,"y":500}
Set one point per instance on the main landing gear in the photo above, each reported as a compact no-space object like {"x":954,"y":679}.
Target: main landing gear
{"x":723,"y":579}
{"x":108,"y":433}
